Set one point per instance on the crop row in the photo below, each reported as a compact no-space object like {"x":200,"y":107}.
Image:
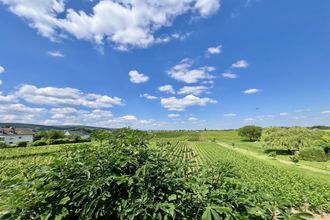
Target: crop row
{"x":290,"y":186}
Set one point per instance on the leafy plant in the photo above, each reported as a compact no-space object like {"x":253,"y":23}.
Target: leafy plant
{"x":128,"y":179}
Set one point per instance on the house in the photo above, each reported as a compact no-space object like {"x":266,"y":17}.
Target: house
{"x":82,"y":134}
{"x":14,"y":135}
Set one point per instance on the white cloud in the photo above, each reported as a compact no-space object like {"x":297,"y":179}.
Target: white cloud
{"x":8,"y":98}
{"x":55,"y":53}
{"x":207,"y":7}
{"x":128,"y":118}
{"x":249,"y":119}
{"x":167,"y":89}
{"x":192,"y":119}
{"x":195,"y":90}
{"x":240,"y":64}
{"x":177,"y":104}
{"x":150,"y":97}
{"x":15,"y":112}
{"x":184,"y":72}
{"x":284,"y":114}
{"x":230,"y":115}
{"x":136,"y":77}
{"x":173,"y":115}
{"x":54,"y":96}
{"x":214,"y":50}
{"x":124,"y":23}
{"x":229,"y":75}
{"x":2,"y":69}
{"x":325,"y":112}
{"x":0,"y":82}
{"x":252,"y":91}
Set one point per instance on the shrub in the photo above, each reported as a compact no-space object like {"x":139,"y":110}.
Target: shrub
{"x":313,"y":154}
{"x":39,"y":143}
{"x":272,"y":154}
{"x":3,"y":145}
{"x":251,"y":132}
{"x":22,"y":144}
{"x":292,"y":139}
{"x":295,"y":158}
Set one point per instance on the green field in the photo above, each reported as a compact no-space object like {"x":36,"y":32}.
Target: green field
{"x":304,"y":185}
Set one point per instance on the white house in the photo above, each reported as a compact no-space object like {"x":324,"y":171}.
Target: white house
{"x":15,"y":135}
{"x":82,"y":134}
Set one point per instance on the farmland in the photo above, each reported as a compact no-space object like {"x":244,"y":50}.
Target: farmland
{"x":281,"y":183}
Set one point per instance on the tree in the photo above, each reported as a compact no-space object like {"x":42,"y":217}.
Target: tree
{"x":51,"y":134}
{"x":251,"y":132}
{"x":101,"y":135}
{"x":292,"y":139}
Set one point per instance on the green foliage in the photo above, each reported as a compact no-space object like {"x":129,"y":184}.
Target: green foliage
{"x":285,"y":185}
{"x":101,"y":135}
{"x":127,"y":179}
{"x":21,"y":144}
{"x":313,"y":154}
{"x":38,"y":143}
{"x":295,"y":158}
{"x":272,"y":154}
{"x":3,"y":145}
{"x":47,"y":135}
{"x":293,"y":139}
{"x":250,"y":132}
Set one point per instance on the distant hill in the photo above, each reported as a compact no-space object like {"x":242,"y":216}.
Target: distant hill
{"x":321,"y":127}
{"x":50,"y":127}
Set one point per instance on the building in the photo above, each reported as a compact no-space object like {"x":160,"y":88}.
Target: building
{"x":14,"y":135}
{"x":82,"y":134}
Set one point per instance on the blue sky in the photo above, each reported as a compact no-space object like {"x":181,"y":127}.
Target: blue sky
{"x":187,"y":64}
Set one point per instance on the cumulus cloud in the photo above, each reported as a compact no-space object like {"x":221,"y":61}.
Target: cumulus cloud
{"x":214,"y":50}
{"x":16,"y":112}
{"x":180,"y":104}
{"x":54,"y":96}
{"x":284,"y":114}
{"x":2,"y":69}
{"x":230,"y":115}
{"x":123,"y":23}
{"x":183,"y":71}
{"x":251,"y":91}
{"x":136,"y":77}
{"x":240,"y":64}
{"x":325,"y":112}
{"x":55,"y":53}
{"x":167,"y":88}
{"x":195,"y":90}
{"x":229,"y":75}
{"x":173,"y":115}
{"x":192,"y":119}
{"x":150,"y":97}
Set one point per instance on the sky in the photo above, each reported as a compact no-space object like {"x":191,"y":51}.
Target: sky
{"x":167,"y":64}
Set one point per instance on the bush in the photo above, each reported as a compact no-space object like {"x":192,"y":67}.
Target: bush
{"x":251,"y":132}
{"x":127,"y":179}
{"x":292,"y":139}
{"x":39,"y":143}
{"x":22,"y":144}
{"x":272,"y":154}
{"x":3,"y":145}
{"x":313,"y":154}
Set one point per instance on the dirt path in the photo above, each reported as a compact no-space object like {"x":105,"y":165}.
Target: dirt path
{"x":264,"y":157}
